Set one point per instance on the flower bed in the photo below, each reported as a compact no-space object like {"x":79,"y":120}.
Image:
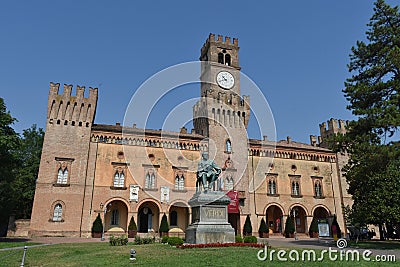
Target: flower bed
{"x":217,"y":245}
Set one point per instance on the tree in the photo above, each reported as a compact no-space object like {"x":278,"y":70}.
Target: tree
{"x":9,"y":142}
{"x":164,"y":227}
{"x":289,"y":226}
{"x":373,"y":93}
{"x":28,"y":154}
{"x":247,"y":228}
{"x":263,"y":229}
{"x":97,"y":226}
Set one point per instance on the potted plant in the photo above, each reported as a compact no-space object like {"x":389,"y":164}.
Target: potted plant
{"x":289,"y":227}
{"x":263,"y":230}
{"x":97,"y":227}
{"x":313,"y":231}
{"x":132,"y":228}
{"x":247,"y":228}
{"x":164,"y":227}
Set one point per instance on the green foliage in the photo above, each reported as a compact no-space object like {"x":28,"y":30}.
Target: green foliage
{"x":164,"y":239}
{"x":247,"y":228}
{"x":29,"y":154}
{"x":132,"y":224}
{"x":9,"y":144}
{"x":175,"y":241}
{"x":313,"y":226}
{"x":373,"y":91}
{"x":97,"y":226}
{"x":250,"y":239}
{"x":289,"y":226}
{"x":263,"y":227}
{"x":118,"y":241}
{"x":238,"y":239}
{"x":164,"y":227}
{"x":144,"y":240}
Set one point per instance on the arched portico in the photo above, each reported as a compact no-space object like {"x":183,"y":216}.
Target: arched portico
{"x":274,"y":218}
{"x":148,"y":217}
{"x":116,"y":216}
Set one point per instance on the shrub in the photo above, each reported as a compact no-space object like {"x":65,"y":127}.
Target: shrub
{"x":144,"y":240}
{"x":175,"y":241}
{"x":164,"y":239}
{"x":250,"y":239}
{"x":247,"y":228}
{"x":289,"y":227}
{"x":118,"y":241}
{"x":132,"y":224}
{"x":97,"y":226}
{"x":238,"y":239}
{"x":263,"y":227}
{"x":164,"y":228}
{"x":313,"y":227}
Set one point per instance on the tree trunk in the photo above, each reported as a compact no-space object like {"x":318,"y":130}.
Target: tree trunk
{"x":382,"y":235}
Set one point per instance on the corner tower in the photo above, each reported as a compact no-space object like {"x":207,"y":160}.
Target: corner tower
{"x":62,"y":183}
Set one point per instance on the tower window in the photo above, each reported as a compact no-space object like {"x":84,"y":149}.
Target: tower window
{"x":221,"y":58}
{"x":57,"y":213}
{"x":228,"y":146}
{"x":227,"y":59}
{"x":271,"y":187}
{"x":62,"y":177}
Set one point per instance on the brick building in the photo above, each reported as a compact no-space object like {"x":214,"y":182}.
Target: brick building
{"x":120,"y":171}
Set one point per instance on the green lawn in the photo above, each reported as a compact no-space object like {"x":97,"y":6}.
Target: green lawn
{"x":16,"y":244}
{"x":101,"y":254}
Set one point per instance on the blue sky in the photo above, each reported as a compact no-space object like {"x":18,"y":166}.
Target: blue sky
{"x":295,"y":51}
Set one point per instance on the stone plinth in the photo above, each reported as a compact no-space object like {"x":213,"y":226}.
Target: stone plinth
{"x":209,"y":219}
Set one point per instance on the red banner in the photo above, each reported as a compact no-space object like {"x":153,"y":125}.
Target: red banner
{"x":233,"y":207}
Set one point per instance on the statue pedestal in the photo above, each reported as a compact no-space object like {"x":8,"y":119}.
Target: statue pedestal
{"x":210,"y":219}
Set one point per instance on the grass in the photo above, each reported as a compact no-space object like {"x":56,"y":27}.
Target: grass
{"x":16,"y":244}
{"x":102,"y":254}
{"x":376,"y":244}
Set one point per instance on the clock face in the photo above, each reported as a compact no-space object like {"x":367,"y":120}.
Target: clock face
{"x":225,"y":80}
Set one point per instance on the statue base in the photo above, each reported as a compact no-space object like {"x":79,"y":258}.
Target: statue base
{"x":210,"y":219}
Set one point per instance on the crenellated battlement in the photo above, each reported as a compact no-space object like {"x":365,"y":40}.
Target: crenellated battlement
{"x":334,"y":127}
{"x":223,"y":41}
{"x":67,"y":109}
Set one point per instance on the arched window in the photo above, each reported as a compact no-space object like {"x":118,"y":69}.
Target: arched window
{"x":227,"y":59}
{"x":173,"y":218}
{"x":119,"y":179}
{"x":228,"y":147}
{"x":181,"y":183}
{"x":62,"y":177}
{"x":150,"y":180}
{"x":318,"y":189}
{"x":295,"y":188}
{"x":57,"y":213}
{"x":115,"y":217}
{"x":272,"y":187}
{"x":221,"y":58}
{"x":177,"y":182}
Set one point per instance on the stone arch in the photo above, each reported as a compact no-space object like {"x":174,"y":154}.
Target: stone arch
{"x":148,"y":200}
{"x":320,"y":206}
{"x":299,"y":205}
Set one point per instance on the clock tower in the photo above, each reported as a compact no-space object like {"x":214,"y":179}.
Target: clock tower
{"x":222,"y":114}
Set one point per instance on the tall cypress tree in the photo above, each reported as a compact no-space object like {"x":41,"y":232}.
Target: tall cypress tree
{"x":373,"y":93}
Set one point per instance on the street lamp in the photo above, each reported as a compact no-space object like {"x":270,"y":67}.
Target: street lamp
{"x":104,"y":223}
{"x":294,"y":212}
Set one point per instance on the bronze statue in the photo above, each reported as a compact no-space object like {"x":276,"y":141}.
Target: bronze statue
{"x":207,"y":172}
